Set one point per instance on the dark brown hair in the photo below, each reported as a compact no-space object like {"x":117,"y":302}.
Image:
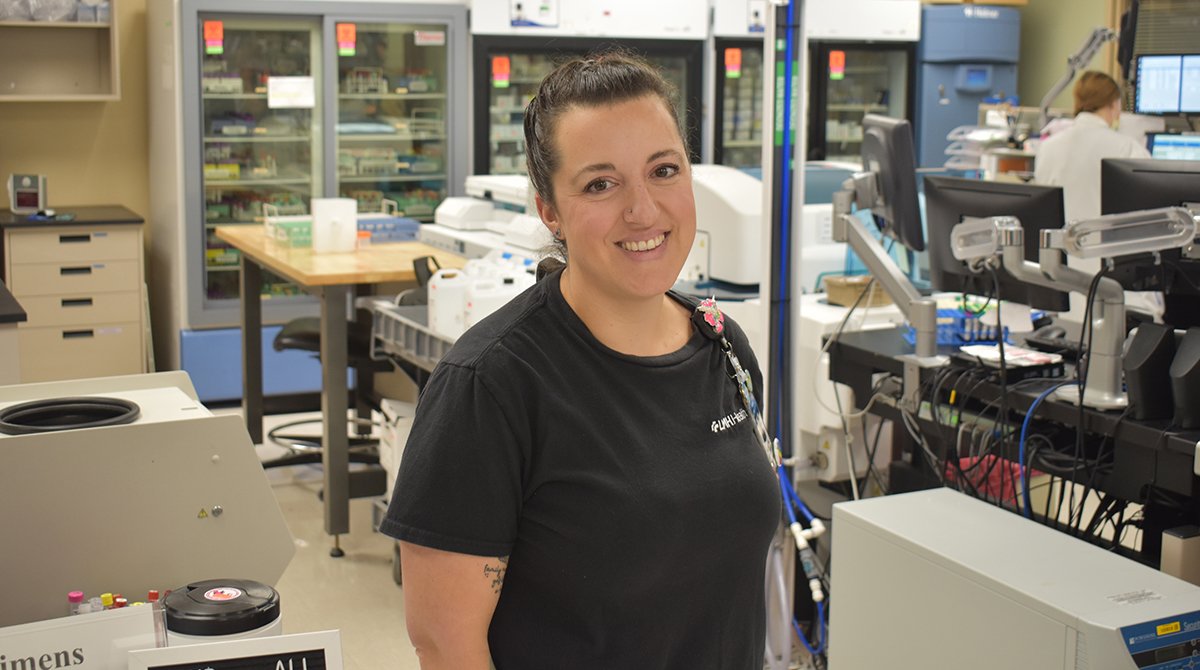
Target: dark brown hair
{"x":599,"y":79}
{"x":1094,"y":91}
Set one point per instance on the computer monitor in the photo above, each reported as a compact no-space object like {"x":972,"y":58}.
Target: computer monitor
{"x":887,"y":150}
{"x":1132,"y":184}
{"x":948,"y":200}
{"x":1167,"y":84}
{"x":1174,"y":146}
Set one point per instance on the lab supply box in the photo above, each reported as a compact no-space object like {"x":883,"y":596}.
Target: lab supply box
{"x":259,"y":106}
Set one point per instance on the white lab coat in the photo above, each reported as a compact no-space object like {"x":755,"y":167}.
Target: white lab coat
{"x":1071,"y":159}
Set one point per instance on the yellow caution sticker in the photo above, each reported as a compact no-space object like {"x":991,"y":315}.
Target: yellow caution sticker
{"x":1168,"y":628}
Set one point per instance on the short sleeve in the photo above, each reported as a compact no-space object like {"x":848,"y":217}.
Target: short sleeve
{"x":459,"y":483}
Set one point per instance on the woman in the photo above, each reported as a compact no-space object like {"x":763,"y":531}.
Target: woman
{"x":1071,"y":158}
{"x":582,"y":487}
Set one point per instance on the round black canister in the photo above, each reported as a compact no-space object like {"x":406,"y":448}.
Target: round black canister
{"x":218,"y":607}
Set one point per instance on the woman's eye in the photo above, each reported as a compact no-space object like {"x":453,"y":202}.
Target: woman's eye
{"x":598,"y":186}
{"x":664,"y":171}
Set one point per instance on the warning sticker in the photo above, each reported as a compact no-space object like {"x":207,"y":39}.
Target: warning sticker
{"x":1135,"y":597}
{"x":222,"y":593}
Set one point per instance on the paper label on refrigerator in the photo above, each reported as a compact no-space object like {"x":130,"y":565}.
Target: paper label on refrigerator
{"x":429,"y":38}
{"x":533,"y":14}
{"x":291,"y":92}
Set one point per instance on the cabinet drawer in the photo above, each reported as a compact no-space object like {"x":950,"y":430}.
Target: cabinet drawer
{"x":73,"y":278}
{"x":50,"y":354}
{"x":70,"y":245}
{"x":82,"y":308}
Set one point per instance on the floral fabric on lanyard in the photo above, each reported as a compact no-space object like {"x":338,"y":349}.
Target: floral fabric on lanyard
{"x":711,"y":323}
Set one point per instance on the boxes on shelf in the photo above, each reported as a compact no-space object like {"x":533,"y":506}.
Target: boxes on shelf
{"x":845,"y":290}
{"x":388,"y":227}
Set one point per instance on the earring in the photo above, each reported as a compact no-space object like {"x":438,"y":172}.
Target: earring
{"x":558,"y":233}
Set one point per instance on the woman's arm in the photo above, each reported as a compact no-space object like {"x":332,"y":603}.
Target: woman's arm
{"x":449,"y":599}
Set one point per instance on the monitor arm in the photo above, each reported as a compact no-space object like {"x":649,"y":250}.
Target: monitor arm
{"x":862,"y":190}
{"x":1075,"y":62}
{"x":1112,"y":235}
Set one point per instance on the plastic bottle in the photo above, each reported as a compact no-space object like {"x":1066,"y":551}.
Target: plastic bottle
{"x":74,"y":600}
{"x":106,"y":599}
{"x":119,"y":602}
{"x":95,"y":604}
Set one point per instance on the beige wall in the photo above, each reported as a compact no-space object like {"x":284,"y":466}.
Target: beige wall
{"x":92,"y":153}
{"x":1052,"y":30}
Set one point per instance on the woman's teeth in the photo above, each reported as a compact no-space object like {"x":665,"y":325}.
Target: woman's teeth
{"x":644,"y":245}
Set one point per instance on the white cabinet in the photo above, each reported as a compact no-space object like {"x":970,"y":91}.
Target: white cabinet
{"x":81,"y":285}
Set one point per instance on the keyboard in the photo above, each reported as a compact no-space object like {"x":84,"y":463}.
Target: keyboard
{"x":1068,"y":348}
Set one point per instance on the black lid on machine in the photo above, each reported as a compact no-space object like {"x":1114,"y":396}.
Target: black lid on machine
{"x":221,"y":607}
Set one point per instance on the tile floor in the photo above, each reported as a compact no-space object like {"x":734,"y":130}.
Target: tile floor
{"x":354,"y":594}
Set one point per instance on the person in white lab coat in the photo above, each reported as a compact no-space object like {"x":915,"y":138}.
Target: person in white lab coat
{"x":1071,"y":158}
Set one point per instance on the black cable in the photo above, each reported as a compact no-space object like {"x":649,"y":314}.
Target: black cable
{"x":1083,"y":366}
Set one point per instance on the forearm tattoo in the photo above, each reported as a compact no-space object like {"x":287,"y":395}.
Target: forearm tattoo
{"x":495,"y":572}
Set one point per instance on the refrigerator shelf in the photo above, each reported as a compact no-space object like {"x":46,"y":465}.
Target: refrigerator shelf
{"x":224,"y":183}
{"x":382,"y":137}
{"x":391,"y":96}
{"x":865,"y":108}
{"x":433,"y":176}
{"x":226,"y":139}
{"x":233,"y":96}
{"x":743,"y":143}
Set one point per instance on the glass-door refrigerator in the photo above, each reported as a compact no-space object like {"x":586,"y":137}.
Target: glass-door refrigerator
{"x":738,"y":113}
{"x":849,"y":80}
{"x":508,"y":70}
{"x":256,"y":107}
{"x":516,"y":44}
{"x":393,"y":116}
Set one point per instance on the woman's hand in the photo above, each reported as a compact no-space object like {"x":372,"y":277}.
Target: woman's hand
{"x":449,"y":599}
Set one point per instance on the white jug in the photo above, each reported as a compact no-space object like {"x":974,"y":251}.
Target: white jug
{"x":335,"y":224}
{"x":447,"y":290}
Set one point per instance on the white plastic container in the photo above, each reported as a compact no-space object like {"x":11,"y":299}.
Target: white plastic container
{"x":485,"y":296}
{"x":335,"y":225}
{"x":447,"y":290}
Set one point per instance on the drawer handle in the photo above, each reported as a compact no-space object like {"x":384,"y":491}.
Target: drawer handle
{"x":74,"y":239}
{"x":76,"y":302}
{"x":80,"y":270}
{"x":76,"y":334}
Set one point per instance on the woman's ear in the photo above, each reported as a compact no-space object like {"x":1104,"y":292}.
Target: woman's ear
{"x":548,"y":214}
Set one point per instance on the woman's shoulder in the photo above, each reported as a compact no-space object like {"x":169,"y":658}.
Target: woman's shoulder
{"x":504,"y":331}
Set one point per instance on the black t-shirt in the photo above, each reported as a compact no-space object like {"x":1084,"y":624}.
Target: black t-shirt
{"x":630,"y":493}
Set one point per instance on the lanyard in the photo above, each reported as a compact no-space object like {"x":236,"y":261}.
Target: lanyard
{"x":711,"y":322}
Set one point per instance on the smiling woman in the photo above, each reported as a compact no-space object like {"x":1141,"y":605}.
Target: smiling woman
{"x":580,"y":488}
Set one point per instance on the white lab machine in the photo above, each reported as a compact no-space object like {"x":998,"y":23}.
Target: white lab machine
{"x":729,"y":221}
{"x":464,"y":213}
{"x":821,"y":454}
{"x":937,"y":579}
{"x":174,"y":495}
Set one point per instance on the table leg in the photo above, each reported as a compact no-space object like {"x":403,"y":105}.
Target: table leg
{"x":335,"y":457}
{"x":252,"y":388}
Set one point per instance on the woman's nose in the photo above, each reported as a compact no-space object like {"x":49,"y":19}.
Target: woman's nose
{"x":641,"y":207}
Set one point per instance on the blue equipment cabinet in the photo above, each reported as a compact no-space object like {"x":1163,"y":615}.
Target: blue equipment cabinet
{"x":967,"y":53}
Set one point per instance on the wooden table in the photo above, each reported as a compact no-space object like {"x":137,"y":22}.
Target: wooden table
{"x":332,"y":278}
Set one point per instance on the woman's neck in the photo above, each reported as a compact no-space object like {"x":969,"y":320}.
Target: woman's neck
{"x":652,"y":327}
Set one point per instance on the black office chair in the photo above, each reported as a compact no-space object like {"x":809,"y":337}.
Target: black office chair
{"x":304,"y":334}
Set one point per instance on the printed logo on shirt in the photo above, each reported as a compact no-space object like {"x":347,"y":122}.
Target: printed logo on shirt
{"x":730,"y":421}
